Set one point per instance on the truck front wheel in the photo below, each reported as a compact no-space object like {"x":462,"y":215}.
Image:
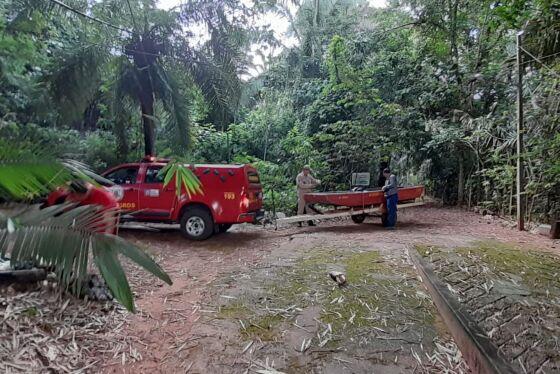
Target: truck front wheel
{"x":197,"y":224}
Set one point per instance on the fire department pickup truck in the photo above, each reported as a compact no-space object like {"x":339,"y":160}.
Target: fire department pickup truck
{"x":231,"y":194}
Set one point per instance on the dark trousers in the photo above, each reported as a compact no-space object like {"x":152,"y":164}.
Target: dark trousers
{"x":392,"y":210}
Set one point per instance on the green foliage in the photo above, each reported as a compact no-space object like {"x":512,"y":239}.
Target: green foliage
{"x":337,"y":63}
{"x":428,"y":87}
{"x":60,"y":69}
{"x":94,"y":148}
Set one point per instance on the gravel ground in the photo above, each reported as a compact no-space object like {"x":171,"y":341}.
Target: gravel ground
{"x":230,"y":307}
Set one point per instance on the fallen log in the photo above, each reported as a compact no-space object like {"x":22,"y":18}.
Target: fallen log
{"x":22,"y":276}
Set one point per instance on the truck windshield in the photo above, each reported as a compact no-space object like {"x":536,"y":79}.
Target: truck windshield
{"x":126,"y":175}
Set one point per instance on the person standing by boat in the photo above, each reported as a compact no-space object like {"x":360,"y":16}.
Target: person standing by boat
{"x":305,"y":184}
{"x":391,"y":196}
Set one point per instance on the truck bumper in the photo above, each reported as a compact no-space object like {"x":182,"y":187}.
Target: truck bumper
{"x":251,"y":217}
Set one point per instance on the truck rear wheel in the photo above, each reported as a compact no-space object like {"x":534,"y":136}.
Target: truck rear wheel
{"x":197,"y":224}
{"x":358,"y":218}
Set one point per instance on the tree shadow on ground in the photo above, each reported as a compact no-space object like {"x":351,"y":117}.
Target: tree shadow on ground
{"x":348,"y":228}
{"x":224,"y":242}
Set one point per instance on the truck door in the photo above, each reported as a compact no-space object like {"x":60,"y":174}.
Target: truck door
{"x":127,"y":187}
{"x":156,"y":201}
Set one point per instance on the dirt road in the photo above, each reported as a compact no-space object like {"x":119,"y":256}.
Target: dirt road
{"x":258,"y":299}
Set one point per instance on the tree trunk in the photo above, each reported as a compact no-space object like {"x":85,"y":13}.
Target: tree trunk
{"x":146,"y":98}
{"x":144,"y":51}
{"x":314,"y":43}
{"x":453,"y":10}
{"x":512,"y":187}
{"x":147,"y":106}
{"x":469,"y":199}
{"x":22,"y":276}
{"x":461,"y":181}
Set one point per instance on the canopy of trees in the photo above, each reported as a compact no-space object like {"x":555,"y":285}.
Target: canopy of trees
{"x":427,"y":87}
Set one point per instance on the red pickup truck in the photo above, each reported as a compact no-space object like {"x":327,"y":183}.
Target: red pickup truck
{"x":231,"y":194}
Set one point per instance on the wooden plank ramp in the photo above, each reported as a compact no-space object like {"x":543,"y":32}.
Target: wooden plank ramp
{"x":340,"y":214}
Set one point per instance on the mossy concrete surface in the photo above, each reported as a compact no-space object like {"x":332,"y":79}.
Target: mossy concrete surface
{"x":537,"y":270}
{"x":382,"y":313}
{"x":512,"y":293}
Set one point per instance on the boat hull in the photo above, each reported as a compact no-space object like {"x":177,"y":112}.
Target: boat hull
{"x":361,"y":198}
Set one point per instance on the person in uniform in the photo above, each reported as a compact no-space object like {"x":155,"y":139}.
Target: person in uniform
{"x":391,"y":195}
{"x":305,"y":184}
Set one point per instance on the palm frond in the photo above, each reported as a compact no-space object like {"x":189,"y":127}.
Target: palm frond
{"x":170,"y":92}
{"x":82,"y":171}
{"x":75,"y":78}
{"x":63,"y":238}
{"x":220,"y":87}
{"x":185,"y":179}
{"x":25,"y":174}
{"x":122,"y":94}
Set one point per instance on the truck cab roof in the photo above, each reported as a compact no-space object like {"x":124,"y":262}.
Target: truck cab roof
{"x":154,"y":160}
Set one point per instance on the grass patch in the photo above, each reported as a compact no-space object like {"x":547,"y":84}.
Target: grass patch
{"x":252,"y":325}
{"x":538,"y":270}
{"x":235,"y":310}
{"x":359,"y":299}
{"x":427,"y":250}
{"x":379,"y":294}
{"x":264,"y":327}
{"x":362,"y":265}
{"x":372,"y":298}
{"x":298,"y":284}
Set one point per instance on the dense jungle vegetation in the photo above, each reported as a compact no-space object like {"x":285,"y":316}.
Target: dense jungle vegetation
{"x":425,"y":86}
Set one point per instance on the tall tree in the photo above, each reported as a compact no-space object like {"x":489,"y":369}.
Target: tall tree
{"x":149,"y":56}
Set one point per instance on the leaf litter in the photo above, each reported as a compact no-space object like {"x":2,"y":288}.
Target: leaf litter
{"x":43,"y":328}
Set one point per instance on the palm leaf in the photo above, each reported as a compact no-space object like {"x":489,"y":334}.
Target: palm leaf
{"x":169,"y":91}
{"x":25,"y":174}
{"x":107,"y":261}
{"x":55,"y":236}
{"x":123,"y":96}
{"x":75,"y":78}
{"x":218,"y":82}
{"x":184,"y":177}
{"x":63,"y":238}
{"x":82,"y":171}
{"x":141,"y":258}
